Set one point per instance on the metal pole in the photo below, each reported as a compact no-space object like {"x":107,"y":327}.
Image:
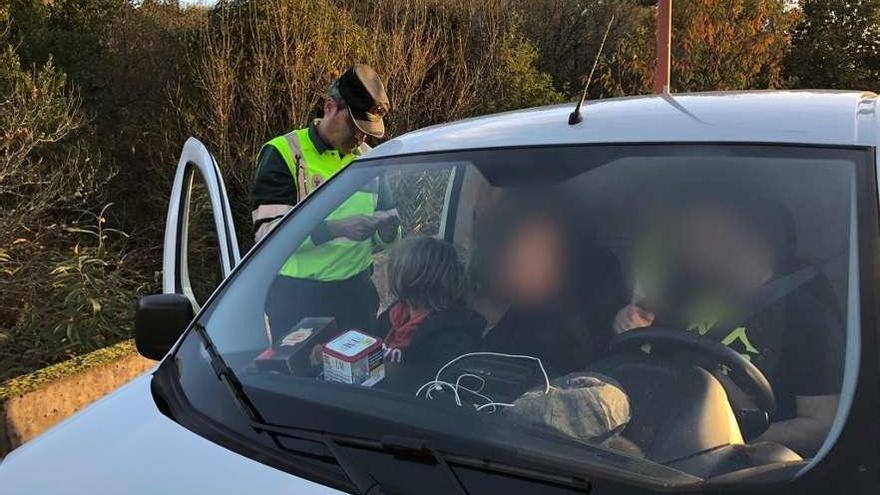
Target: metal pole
{"x":664,"y":48}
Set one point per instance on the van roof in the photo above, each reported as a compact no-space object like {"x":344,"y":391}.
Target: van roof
{"x":796,"y":117}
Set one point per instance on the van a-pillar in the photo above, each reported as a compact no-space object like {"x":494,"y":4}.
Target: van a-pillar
{"x":664,"y":42}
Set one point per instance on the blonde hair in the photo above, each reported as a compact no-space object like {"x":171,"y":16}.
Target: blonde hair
{"x":427,"y":273}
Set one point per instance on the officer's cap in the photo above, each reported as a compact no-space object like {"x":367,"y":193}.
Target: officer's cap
{"x":364,"y":94}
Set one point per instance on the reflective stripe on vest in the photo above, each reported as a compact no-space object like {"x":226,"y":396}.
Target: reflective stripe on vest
{"x":337,"y":259}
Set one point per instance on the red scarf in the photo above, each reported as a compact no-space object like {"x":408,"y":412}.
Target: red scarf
{"x":402,"y":327}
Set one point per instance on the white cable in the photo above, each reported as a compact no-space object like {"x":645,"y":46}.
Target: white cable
{"x":498,"y":354}
{"x":471,"y":375}
{"x":438,"y":384}
{"x":494,"y":405}
{"x":435,"y":386}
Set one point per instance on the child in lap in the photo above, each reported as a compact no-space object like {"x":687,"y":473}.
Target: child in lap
{"x":429,"y":324}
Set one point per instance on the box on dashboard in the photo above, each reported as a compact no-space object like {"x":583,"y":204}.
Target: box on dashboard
{"x":355,"y":358}
{"x":292,"y":353}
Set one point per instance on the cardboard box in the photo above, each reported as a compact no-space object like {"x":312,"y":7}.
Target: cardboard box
{"x":355,"y":358}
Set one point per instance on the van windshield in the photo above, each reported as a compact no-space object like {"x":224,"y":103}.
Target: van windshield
{"x":666,"y":312}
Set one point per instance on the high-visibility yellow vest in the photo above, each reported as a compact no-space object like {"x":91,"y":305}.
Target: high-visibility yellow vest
{"x":337,"y":259}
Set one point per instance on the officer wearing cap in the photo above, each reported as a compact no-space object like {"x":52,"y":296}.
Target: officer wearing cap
{"x":329,"y":274}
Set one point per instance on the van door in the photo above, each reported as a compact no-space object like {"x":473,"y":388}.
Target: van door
{"x":200,"y":247}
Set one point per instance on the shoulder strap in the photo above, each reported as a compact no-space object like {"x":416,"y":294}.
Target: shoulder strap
{"x":775,"y":291}
{"x":298,"y":169}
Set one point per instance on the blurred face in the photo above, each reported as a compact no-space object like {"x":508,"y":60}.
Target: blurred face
{"x":338,"y":128}
{"x":724,"y":253}
{"x":532,"y":265}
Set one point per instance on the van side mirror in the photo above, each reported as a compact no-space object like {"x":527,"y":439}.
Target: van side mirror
{"x":159,"y":321}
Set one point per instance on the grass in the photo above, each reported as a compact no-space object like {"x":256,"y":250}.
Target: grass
{"x":26,"y":383}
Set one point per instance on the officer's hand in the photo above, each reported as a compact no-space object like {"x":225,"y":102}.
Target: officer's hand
{"x":355,"y":227}
{"x":389,"y":224}
{"x":632,"y":316}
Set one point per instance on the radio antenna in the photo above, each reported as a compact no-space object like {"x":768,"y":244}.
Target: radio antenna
{"x":575,"y":116}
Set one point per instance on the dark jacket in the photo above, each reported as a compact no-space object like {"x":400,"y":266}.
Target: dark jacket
{"x":574,"y":330}
{"x":442,"y":337}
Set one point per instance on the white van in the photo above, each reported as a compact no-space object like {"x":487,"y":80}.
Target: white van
{"x":678,"y":293}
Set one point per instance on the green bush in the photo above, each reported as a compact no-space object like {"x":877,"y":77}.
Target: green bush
{"x":75,"y":300}
{"x":93,"y":288}
{"x":63,"y":290}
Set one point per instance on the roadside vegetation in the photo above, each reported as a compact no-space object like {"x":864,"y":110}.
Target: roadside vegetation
{"x":98,"y":96}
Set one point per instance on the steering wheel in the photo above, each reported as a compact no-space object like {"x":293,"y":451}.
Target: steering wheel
{"x":712,"y":353}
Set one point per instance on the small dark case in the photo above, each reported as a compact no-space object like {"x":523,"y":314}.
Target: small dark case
{"x":291,"y":353}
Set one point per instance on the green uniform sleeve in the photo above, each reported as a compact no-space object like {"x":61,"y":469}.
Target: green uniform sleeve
{"x":273,"y":183}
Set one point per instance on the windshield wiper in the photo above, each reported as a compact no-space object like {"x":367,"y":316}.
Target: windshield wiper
{"x":362,"y":481}
{"x":365,"y":483}
{"x":227,"y":376}
{"x":416,"y":450}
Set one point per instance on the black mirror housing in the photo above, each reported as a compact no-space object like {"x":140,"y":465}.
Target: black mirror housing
{"x":159,"y":321}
